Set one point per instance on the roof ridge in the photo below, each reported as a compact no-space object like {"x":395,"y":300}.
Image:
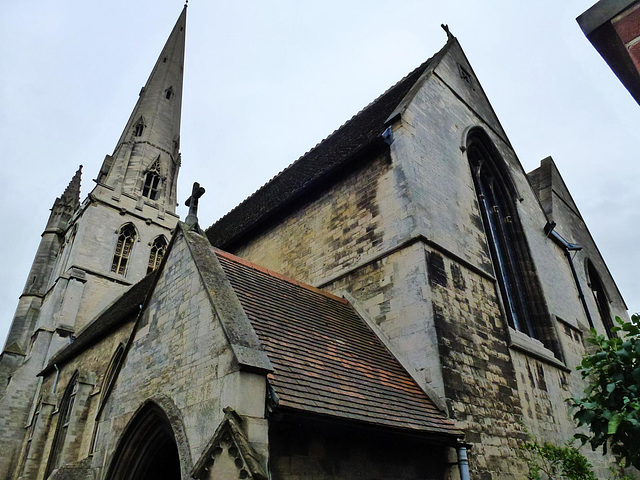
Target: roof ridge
{"x":326,"y":139}
{"x":274,"y":274}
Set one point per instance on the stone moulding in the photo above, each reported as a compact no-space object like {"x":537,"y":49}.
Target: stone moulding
{"x":230,"y":438}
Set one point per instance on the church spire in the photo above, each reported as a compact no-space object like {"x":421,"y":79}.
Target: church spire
{"x":159,"y":105}
{"x":144,"y":164}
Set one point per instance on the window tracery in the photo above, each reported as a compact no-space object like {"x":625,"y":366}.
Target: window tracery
{"x":126,"y":237}
{"x":64,"y":417}
{"x":107,"y":383}
{"x":151,"y":186}
{"x":519,"y":286}
{"x":158,"y":249}
{"x":30,"y":433}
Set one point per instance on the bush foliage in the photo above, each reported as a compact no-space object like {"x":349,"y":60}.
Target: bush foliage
{"x":610,"y":405}
{"x":550,"y":461}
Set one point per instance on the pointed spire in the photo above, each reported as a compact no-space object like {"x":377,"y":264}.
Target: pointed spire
{"x":156,"y":116}
{"x":152,"y":132}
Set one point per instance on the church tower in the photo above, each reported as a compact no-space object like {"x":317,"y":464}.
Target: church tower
{"x":92,"y":252}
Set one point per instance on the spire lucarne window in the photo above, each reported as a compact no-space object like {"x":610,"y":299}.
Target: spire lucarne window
{"x":158,"y":248}
{"x":139,"y":128}
{"x":517,"y":280}
{"x":126,"y":237}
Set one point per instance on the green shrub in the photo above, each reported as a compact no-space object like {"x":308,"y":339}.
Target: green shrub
{"x":610,"y":405}
{"x":548,"y":461}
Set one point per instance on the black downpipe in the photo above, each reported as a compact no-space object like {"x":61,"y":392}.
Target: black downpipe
{"x":580,"y":293}
{"x":567,"y":247}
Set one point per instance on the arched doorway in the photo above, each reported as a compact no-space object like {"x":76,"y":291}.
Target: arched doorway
{"x":148,"y":449}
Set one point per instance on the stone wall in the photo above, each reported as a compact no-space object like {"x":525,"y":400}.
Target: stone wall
{"x":361,"y":215}
{"x":90,"y":366}
{"x":181,"y":358}
{"x":423,"y":273}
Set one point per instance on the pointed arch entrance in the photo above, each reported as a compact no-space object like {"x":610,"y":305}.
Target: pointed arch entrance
{"x":148,"y":448}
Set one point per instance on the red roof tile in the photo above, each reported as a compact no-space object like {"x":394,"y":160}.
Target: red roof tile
{"x":326,"y":360}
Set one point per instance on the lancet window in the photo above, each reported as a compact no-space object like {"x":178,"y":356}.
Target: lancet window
{"x":158,"y":249}
{"x":64,"y":418}
{"x":138,"y":129}
{"x":597,"y":288}
{"x":518,"y":283}
{"x":126,"y":237}
{"x":30,"y":433}
{"x":107,"y":384}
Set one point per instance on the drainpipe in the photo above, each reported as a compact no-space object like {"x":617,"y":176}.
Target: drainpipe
{"x":580,"y":294}
{"x":568,"y":248}
{"x":463,"y":463}
{"x":55,"y":381}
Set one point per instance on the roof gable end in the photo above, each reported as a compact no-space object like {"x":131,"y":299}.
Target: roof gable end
{"x":355,"y":137}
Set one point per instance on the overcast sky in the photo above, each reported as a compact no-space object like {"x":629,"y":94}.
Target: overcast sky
{"x":266,"y":81}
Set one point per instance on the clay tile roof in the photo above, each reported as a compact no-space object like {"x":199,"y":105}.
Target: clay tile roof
{"x":361,"y":131}
{"x":326,"y":360}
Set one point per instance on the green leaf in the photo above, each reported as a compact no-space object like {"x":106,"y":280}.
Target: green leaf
{"x":614,"y":423}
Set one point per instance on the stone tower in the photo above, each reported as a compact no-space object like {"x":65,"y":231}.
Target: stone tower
{"x":91,"y":252}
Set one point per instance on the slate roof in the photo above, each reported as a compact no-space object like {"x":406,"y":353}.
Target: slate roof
{"x":361,"y":131}
{"x":326,"y":360}
{"x":118,"y":312}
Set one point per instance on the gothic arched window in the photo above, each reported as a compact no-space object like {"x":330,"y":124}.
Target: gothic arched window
{"x":600,"y":296}
{"x":151,"y":186}
{"x":158,"y":249}
{"x":138,"y":129}
{"x":519,"y":286}
{"x":64,"y":417}
{"x":107,"y":383}
{"x":126,"y":237}
{"x":30,"y":432}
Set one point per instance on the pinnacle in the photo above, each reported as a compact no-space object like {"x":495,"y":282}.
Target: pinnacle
{"x":71,"y":194}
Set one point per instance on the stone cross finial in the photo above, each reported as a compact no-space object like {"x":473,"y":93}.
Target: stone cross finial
{"x":192,"y":203}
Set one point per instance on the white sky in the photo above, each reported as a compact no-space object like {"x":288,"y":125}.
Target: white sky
{"x":266,"y":81}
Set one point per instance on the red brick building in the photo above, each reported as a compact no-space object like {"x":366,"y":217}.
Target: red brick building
{"x":613,"y":27}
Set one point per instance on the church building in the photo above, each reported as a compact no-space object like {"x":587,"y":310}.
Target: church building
{"x":402,"y":301}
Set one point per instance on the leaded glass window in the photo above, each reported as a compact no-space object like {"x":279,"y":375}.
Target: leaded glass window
{"x":64,"y":419}
{"x":124,"y":245}
{"x":151,"y":186}
{"x":158,"y":249}
{"x":517,"y":281}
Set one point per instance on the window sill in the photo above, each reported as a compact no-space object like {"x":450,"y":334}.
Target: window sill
{"x":534,"y":348}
